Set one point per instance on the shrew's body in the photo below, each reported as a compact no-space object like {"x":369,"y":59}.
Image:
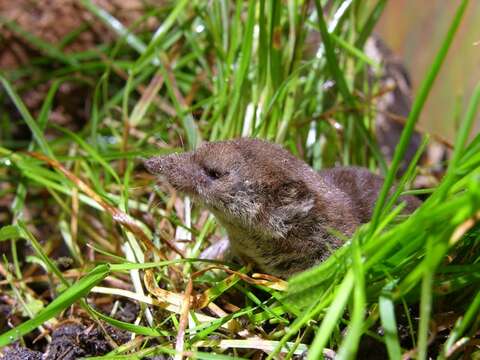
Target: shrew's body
{"x":279,"y":213}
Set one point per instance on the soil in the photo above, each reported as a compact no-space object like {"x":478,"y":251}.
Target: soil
{"x":68,"y":27}
{"x":51,"y":21}
{"x":20,"y":353}
{"x":74,"y":339}
{"x":69,"y":342}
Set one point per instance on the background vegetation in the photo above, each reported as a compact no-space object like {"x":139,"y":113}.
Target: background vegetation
{"x":415,"y":36}
{"x":85,"y":232}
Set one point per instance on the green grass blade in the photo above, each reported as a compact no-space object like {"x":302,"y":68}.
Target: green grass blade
{"x":49,"y":264}
{"x":370,"y":23}
{"x":27,"y":117}
{"x":47,"y":105}
{"x":462,"y":325}
{"x":332,"y":61}
{"x":349,"y":346}
{"x":161,"y":32}
{"x":354,"y":51}
{"x":389,"y":324}
{"x":240,"y":77}
{"x":189,"y":125}
{"x":341,"y":83}
{"x":115,"y":25}
{"x":466,"y":127}
{"x":136,"y":329}
{"x":90,"y":151}
{"x":9,"y":232}
{"x":331,"y":319}
{"x":426,"y":301}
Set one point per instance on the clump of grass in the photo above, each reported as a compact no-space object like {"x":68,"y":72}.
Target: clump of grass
{"x":213,"y":71}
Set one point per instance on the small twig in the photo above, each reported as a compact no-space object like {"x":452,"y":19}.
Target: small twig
{"x":464,"y":227}
{"x":182,"y":326}
{"x":402,"y":120}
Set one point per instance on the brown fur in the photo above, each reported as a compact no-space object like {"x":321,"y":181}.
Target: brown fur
{"x":278,"y":212}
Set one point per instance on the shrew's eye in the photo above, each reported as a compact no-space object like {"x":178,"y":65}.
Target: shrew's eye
{"x":213,"y":174}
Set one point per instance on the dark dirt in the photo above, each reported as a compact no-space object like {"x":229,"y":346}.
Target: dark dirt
{"x":127,"y":312}
{"x":20,"y":353}
{"x":52,"y":21}
{"x":67,"y":27}
{"x":72,"y":339}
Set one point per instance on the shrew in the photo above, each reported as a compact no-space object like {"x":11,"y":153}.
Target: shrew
{"x":278,"y":212}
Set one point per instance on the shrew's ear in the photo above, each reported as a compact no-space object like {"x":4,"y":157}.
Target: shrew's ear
{"x":291,"y":192}
{"x":291,"y":202}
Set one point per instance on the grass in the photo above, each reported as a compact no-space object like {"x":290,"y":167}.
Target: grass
{"x":210,"y":72}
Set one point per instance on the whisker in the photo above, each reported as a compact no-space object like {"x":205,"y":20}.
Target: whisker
{"x":182,"y":143}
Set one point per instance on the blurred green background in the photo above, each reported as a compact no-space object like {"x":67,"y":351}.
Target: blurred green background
{"x":414,"y":30}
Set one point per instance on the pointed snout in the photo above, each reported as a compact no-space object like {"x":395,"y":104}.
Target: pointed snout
{"x":177,"y":169}
{"x":163,"y":165}
{"x":155,"y":165}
